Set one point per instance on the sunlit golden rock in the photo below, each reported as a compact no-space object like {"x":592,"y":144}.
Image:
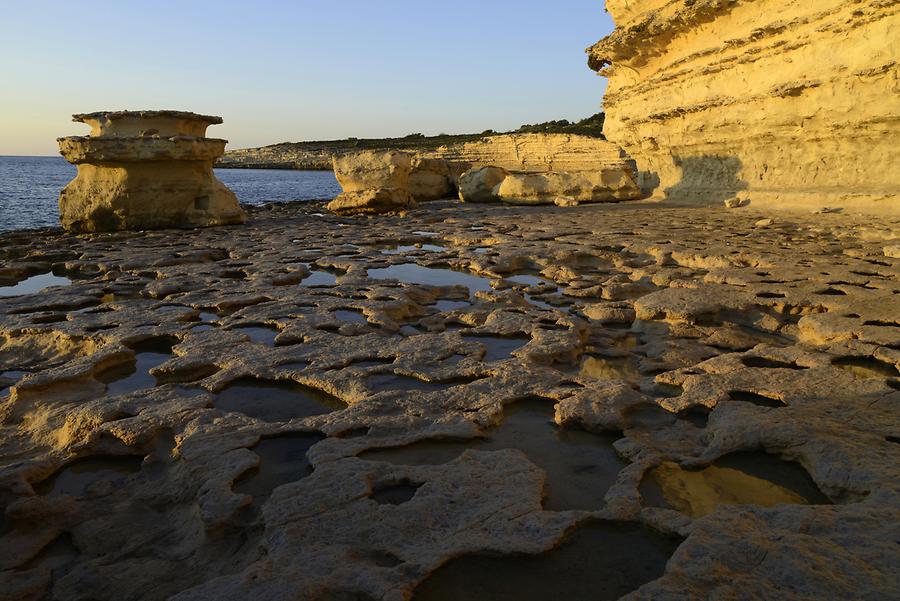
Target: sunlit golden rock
{"x":373,"y":182}
{"x":794,"y":102}
{"x":145,"y":170}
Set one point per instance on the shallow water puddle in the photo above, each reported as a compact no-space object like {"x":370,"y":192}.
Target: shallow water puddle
{"x":126,"y":378}
{"x":350,"y":316}
{"x":752,"y":478}
{"x":866,"y":367}
{"x":379,"y":382}
{"x":413,"y":273}
{"x":395,"y":494}
{"x":409,"y":248}
{"x":8,"y":379}
{"x":451,"y":305}
{"x":208,"y":321}
{"x":598,"y":561}
{"x":530,"y":280}
{"x":609,"y":368}
{"x":259,"y":334}
{"x":282,"y":460}
{"x":275,"y":400}
{"x":319,"y":278}
{"x":580,"y":466}
{"x":650,"y":416}
{"x":80,"y":476}
{"x":35,"y":283}
{"x":498,"y":348}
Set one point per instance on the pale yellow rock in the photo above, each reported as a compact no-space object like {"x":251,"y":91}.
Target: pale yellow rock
{"x":535,"y":153}
{"x":543,"y":188}
{"x":373,"y":182}
{"x":145,"y":170}
{"x":565,"y":201}
{"x":793,"y":102}
{"x":480,"y":184}
{"x":431,"y":179}
{"x":372,"y":170}
{"x":892,"y":251}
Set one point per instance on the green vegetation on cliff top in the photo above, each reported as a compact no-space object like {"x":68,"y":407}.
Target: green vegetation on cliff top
{"x":591,"y":126}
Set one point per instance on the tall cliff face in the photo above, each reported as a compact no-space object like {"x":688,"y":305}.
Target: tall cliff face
{"x":797,"y":102}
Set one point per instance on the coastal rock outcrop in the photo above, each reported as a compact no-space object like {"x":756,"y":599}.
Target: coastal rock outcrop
{"x":608,"y":185}
{"x":479,"y":184}
{"x":373,"y":182}
{"x":432,"y":179}
{"x":794,"y":102}
{"x":145,"y":170}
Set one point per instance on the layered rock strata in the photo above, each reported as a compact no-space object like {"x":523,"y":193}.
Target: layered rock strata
{"x":373,"y":182}
{"x":649,"y":349}
{"x":493,"y":184}
{"x":539,"y":168}
{"x":535,"y":153}
{"x":608,"y":185}
{"x":145,"y":170}
{"x":795,"y":103}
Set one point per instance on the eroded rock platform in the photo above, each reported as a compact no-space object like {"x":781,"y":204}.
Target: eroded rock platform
{"x":463,"y":402}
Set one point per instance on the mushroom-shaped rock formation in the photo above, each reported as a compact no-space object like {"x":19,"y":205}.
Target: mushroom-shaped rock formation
{"x":145,"y":170}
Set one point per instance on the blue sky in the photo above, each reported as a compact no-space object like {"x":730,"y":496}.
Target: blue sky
{"x":301,"y":70}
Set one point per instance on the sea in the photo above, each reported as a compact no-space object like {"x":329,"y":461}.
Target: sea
{"x":29,"y":188}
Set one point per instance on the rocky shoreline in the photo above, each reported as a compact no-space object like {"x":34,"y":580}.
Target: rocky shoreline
{"x":684,"y":402}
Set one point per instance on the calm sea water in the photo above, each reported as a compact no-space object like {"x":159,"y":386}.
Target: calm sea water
{"x":29,"y":188}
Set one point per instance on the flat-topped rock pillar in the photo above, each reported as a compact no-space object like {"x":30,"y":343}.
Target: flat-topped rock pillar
{"x":145,"y":170}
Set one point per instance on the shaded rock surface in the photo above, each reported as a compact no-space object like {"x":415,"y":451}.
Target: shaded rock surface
{"x":669,"y":340}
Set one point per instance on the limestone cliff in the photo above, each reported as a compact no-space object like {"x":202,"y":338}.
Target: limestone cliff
{"x":794,"y":102}
{"x":534,"y":153}
{"x":514,"y":151}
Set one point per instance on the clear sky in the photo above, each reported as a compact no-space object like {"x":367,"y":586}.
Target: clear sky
{"x":281,"y":70}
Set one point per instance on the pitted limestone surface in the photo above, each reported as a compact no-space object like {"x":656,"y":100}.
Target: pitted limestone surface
{"x":225,"y":413}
